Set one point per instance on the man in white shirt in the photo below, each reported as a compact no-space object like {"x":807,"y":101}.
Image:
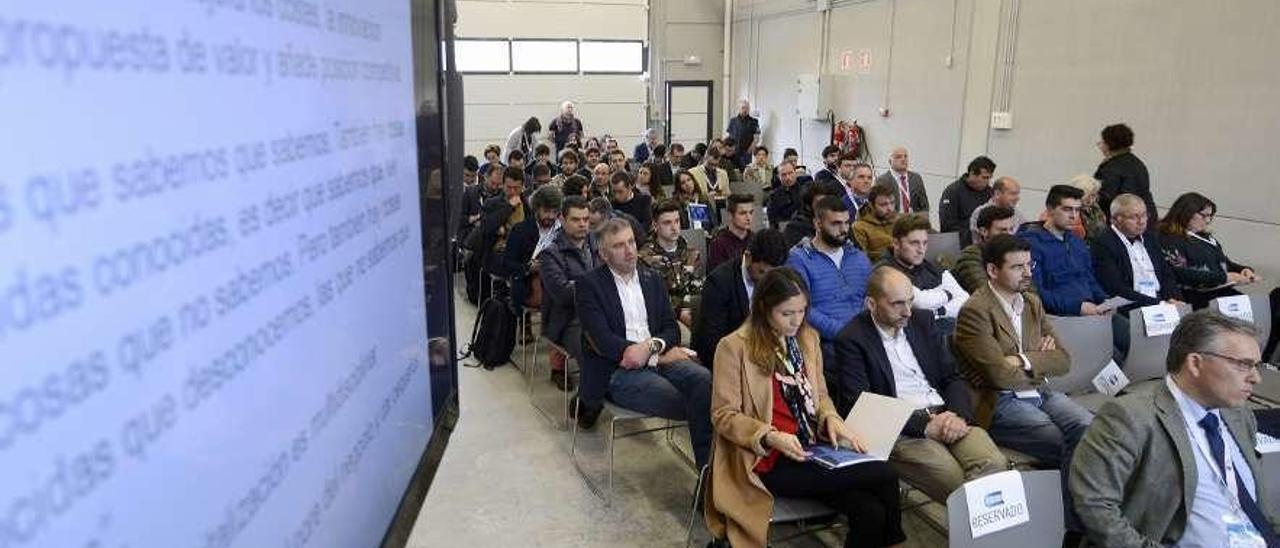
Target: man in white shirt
{"x":632,"y":351}
{"x":1127,"y":261}
{"x":1176,"y":465}
{"x":936,"y":290}
{"x":894,"y":350}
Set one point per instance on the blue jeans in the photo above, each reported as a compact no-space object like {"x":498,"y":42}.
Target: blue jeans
{"x":1046,"y":428}
{"x":678,"y":391}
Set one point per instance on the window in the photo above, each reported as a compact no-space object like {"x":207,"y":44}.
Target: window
{"x":544,"y":56}
{"x":482,"y":55}
{"x":612,"y":57}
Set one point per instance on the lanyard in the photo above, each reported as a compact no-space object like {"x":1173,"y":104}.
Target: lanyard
{"x":1226,"y":479}
{"x":1210,"y":240}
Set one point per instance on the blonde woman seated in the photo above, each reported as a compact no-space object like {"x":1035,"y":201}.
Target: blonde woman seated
{"x":768,"y":403}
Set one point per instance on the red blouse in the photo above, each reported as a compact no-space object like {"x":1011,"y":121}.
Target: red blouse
{"x":784,"y":421}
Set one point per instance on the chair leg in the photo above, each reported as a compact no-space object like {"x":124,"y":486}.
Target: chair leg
{"x":693,"y":508}
{"x":613,"y":428}
{"x":573,"y":457}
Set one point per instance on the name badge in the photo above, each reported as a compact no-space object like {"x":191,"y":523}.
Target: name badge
{"x":1026,"y":394}
{"x":1148,"y":288}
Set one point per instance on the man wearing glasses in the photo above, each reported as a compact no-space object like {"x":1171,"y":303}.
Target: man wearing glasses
{"x":1064,"y":277}
{"x":1176,"y":465}
{"x":1006,"y":348}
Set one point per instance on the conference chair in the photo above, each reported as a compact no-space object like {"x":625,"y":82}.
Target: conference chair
{"x":618,"y":414}
{"x":561,"y":421}
{"x":697,"y":240}
{"x":1261,"y":307}
{"x":809,"y":515}
{"x":1146,"y":354}
{"x":1088,"y":340}
{"x":1044,"y":506}
{"x":943,"y":249}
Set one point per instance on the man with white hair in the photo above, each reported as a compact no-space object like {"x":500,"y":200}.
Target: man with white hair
{"x":909,"y":195}
{"x":644,"y":151}
{"x":745,"y":131}
{"x":566,"y":128}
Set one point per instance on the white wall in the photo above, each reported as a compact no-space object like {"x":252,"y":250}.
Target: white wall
{"x":496,"y":104}
{"x":682,"y":28}
{"x":1203,"y":101}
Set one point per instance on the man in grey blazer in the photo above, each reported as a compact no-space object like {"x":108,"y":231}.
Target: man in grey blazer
{"x":899,"y":177}
{"x":1176,"y":464}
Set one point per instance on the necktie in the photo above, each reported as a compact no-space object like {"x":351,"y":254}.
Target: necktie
{"x":1211,"y":425}
{"x":905,"y":192}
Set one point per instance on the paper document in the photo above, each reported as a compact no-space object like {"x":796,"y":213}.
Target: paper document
{"x":1266,"y":444}
{"x":878,"y":420}
{"x":1111,"y":380}
{"x":1160,"y":319}
{"x":1236,"y":306}
{"x":1115,"y":303}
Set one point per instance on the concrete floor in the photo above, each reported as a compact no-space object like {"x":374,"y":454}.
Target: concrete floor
{"x":506,"y":478}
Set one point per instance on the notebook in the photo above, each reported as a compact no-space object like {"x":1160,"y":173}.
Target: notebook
{"x":878,"y":420}
{"x":835,"y":458}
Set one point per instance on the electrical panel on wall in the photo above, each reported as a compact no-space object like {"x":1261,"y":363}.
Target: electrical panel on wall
{"x":813,"y":100}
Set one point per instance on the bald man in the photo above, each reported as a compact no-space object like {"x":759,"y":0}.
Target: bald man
{"x":895,"y":350}
{"x":1006,"y":191}
{"x":908,"y":186}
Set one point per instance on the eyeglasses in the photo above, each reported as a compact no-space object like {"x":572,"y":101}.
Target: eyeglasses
{"x":1241,"y":365}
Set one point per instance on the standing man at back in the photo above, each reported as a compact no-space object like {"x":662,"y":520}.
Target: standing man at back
{"x":963,"y":196}
{"x":745,"y":132}
{"x":908,"y":186}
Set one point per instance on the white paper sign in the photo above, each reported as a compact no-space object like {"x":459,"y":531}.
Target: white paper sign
{"x":1236,"y":306}
{"x":996,"y":502}
{"x":1111,"y":379}
{"x":1160,"y":319}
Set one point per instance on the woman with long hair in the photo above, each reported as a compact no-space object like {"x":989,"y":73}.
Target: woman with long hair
{"x":1199,"y":264}
{"x":688,"y":191}
{"x":769,"y":404}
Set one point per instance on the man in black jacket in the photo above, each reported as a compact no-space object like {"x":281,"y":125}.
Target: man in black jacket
{"x":1128,"y":262}
{"x":622,"y":187}
{"x":569,"y":256}
{"x":963,"y":196}
{"x":529,"y":238}
{"x":726,"y":294}
{"x":487,"y":241}
{"x":784,"y":200}
{"x":893,"y":350}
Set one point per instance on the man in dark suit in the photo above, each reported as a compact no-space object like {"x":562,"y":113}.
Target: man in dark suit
{"x":726,"y":295}
{"x":1127,"y":263}
{"x":499,"y":215}
{"x":894,"y":350}
{"x":914,"y":199}
{"x":1176,"y":465}
{"x":528,"y":238}
{"x":632,"y":352}
{"x":567,"y":259}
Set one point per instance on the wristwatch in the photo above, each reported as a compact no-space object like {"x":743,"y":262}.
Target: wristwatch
{"x":655,"y":345}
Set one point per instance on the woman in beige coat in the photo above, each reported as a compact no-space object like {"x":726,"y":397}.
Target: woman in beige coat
{"x":769,"y":402}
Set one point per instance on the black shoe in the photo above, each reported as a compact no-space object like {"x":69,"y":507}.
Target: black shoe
{"x":585,"y":414}
{"x":562,"y":381}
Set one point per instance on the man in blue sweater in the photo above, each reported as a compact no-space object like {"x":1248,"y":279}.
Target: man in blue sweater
{"x":837,"y":274}
{"x":1063,"y":267}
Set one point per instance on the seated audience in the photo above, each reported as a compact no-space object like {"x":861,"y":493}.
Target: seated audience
{"x":969,"y":269}
{"x":469,"y":168}
{"x":894,"y":349}
{"x":662,"y":174}
{"x":1006,"y":192}
{"x":1200,"y":266}
{"x":712,"y":179}
{"x":569,"y":256}
{"x":688,"y":192}
{"x":488,"y":240}
{"x":1006,"y":348}
{"x":769,"y":404}
{"x":592,"y":158}
{"x":645,"y":183}
{"x":1092,"y":220}
{"x":492,"y":159}
{"x":731,"y":239}
{"x":830,"y":164}
{"x":784,"y":200}
{"x":577,"y":185}
{"x":617,"y":161}
{"x":844,"y":175}
{"x":527,"y":240}
{"x":909,"y":194}
{"x":726,"y":295}
{"x":1127,"y":262}
{"x":1063,"y":271}
{"x":760,"y":172}
{"x":669,"y":254}
{"x":873,"y":231}
{"x":516,"y":159}
{"x":632,"y":353}
{"x":963,"y":196}
{"x":858,"y":191}
{"x":541,"y":157}
{"x":801,"y":224}
{"x":568,"y":166}
{"x":1176,"y":466}
{"x":834,"y":270}
{"x":625,"y":199}
{"x":936,"y":291}
{"x":600,"y":181}
{"x":540,"y":176}
{"x":647,"y":149}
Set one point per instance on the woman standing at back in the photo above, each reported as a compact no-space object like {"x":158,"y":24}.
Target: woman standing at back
{"x":768,"y":403}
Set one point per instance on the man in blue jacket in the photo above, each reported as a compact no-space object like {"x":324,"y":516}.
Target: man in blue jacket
{"x":1062,"y":267}
{"x":837,"y":273}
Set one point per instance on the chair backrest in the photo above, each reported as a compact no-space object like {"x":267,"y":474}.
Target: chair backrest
{"x":1261,"y":307}
{"x":1044,"y":506}
{"x":697,"y":240}
{"x":943,"y":248}
{"x":1146,"y":354}
{"x":1088,"y":340}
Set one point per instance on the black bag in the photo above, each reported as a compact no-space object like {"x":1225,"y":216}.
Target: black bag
{"x":493,"y":337}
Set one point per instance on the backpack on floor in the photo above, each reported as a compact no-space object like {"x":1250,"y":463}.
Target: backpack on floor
{"x":493,"y":337}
